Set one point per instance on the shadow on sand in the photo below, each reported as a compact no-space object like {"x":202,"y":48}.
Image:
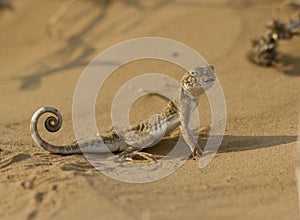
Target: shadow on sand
{"x":229,"y":143}
{"x":291,"y":65}
{"x":77,"y":52}
{"x":6,"y":5}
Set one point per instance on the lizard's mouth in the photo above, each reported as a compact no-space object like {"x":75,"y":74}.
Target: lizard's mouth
{"x":209,"y":80}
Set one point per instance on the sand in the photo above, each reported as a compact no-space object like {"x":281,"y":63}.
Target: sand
{"x":251,"y":177}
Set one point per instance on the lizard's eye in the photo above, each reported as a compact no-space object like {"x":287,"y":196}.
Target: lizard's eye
{"x":193,"y":73}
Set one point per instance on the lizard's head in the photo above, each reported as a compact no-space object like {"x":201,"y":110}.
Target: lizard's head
{"x":199,"y":79}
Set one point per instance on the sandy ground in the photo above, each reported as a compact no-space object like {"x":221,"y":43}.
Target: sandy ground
{"x":251,"y":177}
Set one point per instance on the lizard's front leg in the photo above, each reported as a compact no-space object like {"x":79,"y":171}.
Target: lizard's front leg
{"x":187,"y":106}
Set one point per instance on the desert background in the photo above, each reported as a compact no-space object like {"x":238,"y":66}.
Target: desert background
{"x":253,"y":175}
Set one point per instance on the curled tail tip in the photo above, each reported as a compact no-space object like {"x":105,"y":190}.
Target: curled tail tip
{"x":52,"y":124}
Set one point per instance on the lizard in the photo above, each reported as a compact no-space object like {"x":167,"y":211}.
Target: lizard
{"x":130,"y":141}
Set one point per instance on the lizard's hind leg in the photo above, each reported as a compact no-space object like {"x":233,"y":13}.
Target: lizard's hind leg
{"x":144,"y":135}
{"x":134,"y":154}
{"x":137,"y":141}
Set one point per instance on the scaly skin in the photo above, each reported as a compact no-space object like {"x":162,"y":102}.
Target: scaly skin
{"x":145,"y":134}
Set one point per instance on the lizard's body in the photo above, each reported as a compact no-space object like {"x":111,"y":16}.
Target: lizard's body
{"x":145,"y":134}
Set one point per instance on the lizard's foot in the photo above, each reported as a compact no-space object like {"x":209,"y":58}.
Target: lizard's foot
{"x":137,"y":155}
{"x":132,"y":154}
{"x":196,"y":153}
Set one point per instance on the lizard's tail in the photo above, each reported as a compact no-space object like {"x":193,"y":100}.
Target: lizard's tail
{"x":52,"y":124}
